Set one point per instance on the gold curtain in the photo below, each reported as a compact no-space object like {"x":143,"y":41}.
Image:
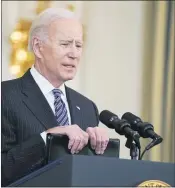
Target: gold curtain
{"x":158,"y":92}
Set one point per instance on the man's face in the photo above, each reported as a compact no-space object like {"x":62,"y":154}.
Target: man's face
{"x":61,"y":53}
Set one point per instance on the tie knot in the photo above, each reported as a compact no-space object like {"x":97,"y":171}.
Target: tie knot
{"x":57,"y":93}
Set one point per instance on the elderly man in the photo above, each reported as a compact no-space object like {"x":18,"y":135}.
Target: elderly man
{"x":39,"y":102}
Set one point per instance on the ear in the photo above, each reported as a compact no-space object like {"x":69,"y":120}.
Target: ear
{"x":37,"y":47}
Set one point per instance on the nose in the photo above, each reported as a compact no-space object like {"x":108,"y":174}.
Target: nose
{"x":71,"y":55}
{"x":72,"y":52}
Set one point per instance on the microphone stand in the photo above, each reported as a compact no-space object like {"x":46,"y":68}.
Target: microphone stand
{"x":133,"y":148}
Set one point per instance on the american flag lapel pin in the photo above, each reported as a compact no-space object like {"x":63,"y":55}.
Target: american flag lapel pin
{"x":78,"y":107}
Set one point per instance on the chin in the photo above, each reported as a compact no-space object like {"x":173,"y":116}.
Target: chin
{"x":68,"y":77}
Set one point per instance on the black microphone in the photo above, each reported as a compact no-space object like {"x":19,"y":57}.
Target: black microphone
{"x":145,"y":129}
{"x":121,"y":126}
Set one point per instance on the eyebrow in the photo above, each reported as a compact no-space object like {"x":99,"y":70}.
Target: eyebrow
{"x":70,"y":41}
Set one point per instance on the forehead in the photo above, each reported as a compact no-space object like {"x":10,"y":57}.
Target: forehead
{"x":66,"y":28}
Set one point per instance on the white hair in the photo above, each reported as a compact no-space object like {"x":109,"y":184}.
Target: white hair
{"x":39,"y":25}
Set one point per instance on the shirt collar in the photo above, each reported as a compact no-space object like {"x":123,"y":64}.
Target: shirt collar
{"x":44,"y":85}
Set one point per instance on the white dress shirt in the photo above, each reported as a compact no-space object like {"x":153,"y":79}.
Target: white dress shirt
{"x":46,"y":88}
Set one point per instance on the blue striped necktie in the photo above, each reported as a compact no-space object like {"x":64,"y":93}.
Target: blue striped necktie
{"x":60,"y":108}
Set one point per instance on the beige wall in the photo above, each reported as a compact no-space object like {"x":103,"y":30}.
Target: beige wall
{"x":111,"y":67}
{"x":112,"y":62}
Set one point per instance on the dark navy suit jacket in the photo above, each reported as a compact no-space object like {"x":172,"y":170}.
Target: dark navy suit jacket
{"x":25,"y":114}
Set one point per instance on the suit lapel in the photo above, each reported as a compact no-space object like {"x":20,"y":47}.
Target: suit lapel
{"x":75,"y":107}
{"x":34,"y":99}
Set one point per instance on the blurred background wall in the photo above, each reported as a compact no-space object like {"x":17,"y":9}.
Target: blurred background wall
{"x":127,"y":64}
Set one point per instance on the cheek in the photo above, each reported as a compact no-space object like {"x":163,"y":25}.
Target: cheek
{"x":59,"y":53}
{"x":46,"y":53}
{"x":79,"y":54}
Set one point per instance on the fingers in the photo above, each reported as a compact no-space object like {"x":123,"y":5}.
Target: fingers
{"x":83,"y":142}
{"x":104,"y":143}
{"x":77,"y":139}
{"x":80,"y":142}
{"x":98,"y":139}
{"x":92,"y":137}
{"x":86,"y":138}
{"x":98,"y":143}
{"x":76,"y":145}
{"x":71,"y":143}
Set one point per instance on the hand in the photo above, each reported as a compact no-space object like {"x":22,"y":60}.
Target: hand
{"x":98,"y":139}
{"x":77,"y":137}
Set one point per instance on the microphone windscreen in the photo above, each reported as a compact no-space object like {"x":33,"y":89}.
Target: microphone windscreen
{"x":130,"y":117}
{"x":105,"y":118}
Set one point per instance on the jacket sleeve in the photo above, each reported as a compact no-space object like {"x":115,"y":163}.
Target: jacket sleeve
{"x":18,"y":160}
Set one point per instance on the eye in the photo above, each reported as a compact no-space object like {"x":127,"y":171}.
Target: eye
{"x":65,"y":44}
{"x":79,"y":46}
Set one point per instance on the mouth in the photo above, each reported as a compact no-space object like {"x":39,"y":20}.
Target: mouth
{"x":68,"y":66}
